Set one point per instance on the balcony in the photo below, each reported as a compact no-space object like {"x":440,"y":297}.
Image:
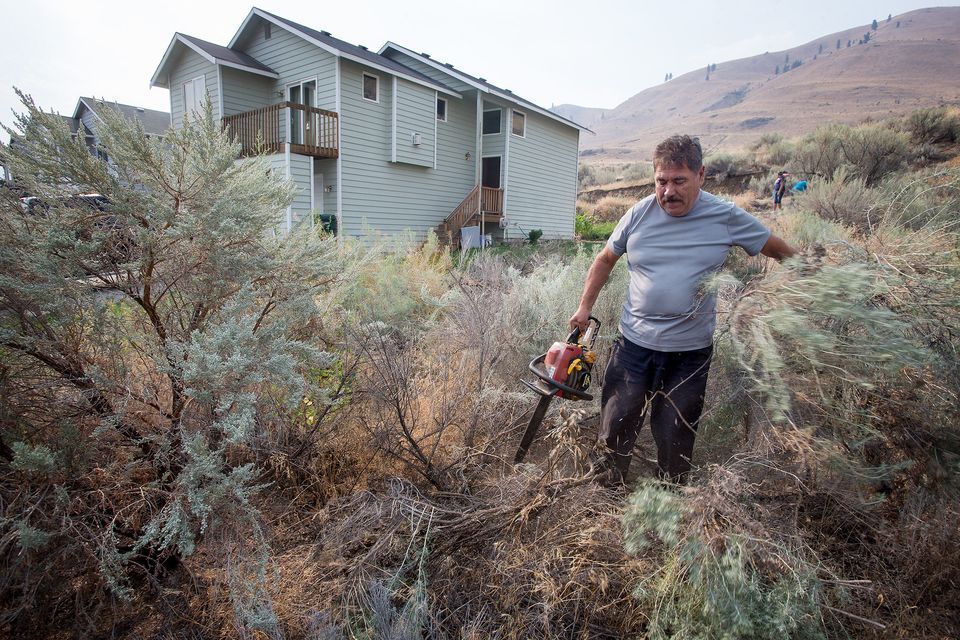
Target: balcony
{"x":309,"y":130}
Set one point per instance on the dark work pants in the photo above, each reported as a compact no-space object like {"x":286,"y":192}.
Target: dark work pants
{"x":671,"y":385}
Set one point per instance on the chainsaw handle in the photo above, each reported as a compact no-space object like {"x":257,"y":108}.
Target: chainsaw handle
{"x":568,"y":392}
{"x":593,"y":328}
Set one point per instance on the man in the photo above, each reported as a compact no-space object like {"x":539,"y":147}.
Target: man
{"x":779,"y":188}
{"x":673,"y":239}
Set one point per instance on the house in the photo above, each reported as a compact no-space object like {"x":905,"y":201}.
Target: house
{"x":86,"y":120}
{"x":387,"y":140}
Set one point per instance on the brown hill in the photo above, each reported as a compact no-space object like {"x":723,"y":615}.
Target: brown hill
{"x":899,"y":70}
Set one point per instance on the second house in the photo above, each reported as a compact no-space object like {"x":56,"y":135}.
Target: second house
{"x":380,"y":142}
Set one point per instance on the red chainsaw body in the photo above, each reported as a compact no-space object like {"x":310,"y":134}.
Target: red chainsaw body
{"x":559,"y":357}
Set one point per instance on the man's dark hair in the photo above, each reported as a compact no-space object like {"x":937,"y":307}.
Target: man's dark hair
{"x":679,"y":151}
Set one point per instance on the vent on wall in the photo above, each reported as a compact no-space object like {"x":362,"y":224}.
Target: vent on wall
{"x":266,"y":31}
{"x":416,"y":139}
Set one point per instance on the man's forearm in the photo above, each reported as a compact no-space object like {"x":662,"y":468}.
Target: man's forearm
{"x":778,"y":249}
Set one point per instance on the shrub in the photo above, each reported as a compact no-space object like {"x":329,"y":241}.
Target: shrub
{"x":845,"y":200}
{"x":870,"y":151}
{"x":206,"y":336}
{"x":589,"y":229}
{"x":935,"y":125}
{"x":611,"y":208}
{"x":534,"y":236}
{"x":723,"y":165}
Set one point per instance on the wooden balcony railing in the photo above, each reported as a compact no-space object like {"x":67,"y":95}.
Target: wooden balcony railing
{"x":481,"y":201}
{"x":309,"y":130}
{"x":491,"y":200}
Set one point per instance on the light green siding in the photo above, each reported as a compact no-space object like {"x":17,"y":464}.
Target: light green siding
{"x":302,"y":176}
{"x":494,"y":144}
{"x":244,"y":91}
{"x":295,"y":60}
{"x":393,"y":197}
{"x":326,"y":201}
{"x":187,"y":65}
{"x":541,"y":187}
{"x":416,"y":114}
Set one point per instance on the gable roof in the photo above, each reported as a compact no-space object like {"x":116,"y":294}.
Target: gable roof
{"x":343,"y":49}
{"x":212,"y":53}
{"x":481,"y":84}
{"x":154,"y":122}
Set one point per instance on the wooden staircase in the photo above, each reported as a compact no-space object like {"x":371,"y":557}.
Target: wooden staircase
{"x":481,"y":201}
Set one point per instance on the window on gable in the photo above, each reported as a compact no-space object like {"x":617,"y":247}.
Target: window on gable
{"x":519,"y":127}
{"x":371,"y":88}
{"x":441,"y":110}
{"x":194,"y":95}
{"x":491,"y":122}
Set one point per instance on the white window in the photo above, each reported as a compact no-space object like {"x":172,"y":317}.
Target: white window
{"x":371,"y":88}
{"x":519,"y":127}
{"x":491,"y":122}
{"x":194,"y":95}
{"x":441,"y":110}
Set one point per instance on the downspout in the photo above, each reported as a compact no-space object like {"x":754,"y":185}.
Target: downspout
{"x":478,"y":164}
{"x":506,"y":164}
{"x":393,"y":122}
{"x":339,"y":185}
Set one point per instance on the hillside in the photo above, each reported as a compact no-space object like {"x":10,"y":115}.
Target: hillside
{"x":899,"y":70}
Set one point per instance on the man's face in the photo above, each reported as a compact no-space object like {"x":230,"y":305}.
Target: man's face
{"x":677,"y":188}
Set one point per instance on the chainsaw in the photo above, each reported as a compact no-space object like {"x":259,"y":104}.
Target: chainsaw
{"x":562,"y":372}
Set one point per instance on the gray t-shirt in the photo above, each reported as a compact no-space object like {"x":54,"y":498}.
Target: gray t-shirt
{"x":668,"y":258}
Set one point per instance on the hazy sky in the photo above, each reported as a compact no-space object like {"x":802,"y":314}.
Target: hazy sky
{"x":592,"y":53}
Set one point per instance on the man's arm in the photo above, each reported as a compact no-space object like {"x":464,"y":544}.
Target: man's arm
{"x":775,"y":248}
{"x":596,"y":278}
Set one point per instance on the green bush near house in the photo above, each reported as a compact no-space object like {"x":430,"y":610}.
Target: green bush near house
{"x":589,"y":229}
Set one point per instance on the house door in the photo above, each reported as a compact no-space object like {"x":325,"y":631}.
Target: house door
{"x":300,"y":122}
{"x":490,"y":176}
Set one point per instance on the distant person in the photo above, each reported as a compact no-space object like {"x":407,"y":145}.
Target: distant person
{"x":674,"y":239}
{"x":779,"y":188}
{"x":800,"y":186}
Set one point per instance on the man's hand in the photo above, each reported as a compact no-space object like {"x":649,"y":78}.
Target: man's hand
{"x":580,"y":319}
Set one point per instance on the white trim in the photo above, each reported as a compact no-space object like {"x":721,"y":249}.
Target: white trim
{"x":482,"y":87}
{"x":286,"y":148}
{"x":286,"y":96}
{"x":339,"y":185}
{"x":335,"y":51}
{"x":436,"y":141}
{"x":506,"y":163}
{"x":363,"y":87}
{"x":243,"y":67}
{"x":393,"y":126}
{"x":502,"y":176}
{"x":89,"y":108}
{"x":177,"y":37}
{"x":500,"y":109}
{"x":446,"y":107}
{"x":313,"y":180}
{"x":478,"y":154}
{"x":220,"y":90}
{"x":198,"y":103}
{"x":514,"y":112}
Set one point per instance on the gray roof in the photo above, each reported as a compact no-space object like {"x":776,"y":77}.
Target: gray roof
{"x":358,"y":52}
{"x":493,"y":88}
{"x":153,"y":122}
{"x":224,"y":54}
